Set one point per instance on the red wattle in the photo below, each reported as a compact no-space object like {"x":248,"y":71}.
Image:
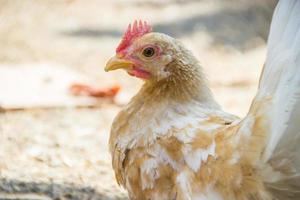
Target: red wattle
{"x":139,"y":73}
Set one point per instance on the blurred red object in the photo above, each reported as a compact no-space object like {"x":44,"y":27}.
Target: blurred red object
{"x":87,"y":90}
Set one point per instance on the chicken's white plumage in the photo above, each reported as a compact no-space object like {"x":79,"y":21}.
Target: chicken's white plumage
{"x":281,"y":75}
{"x":280,"y":80}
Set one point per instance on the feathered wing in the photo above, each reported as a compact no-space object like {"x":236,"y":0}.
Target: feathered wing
{"x":278,"y":103}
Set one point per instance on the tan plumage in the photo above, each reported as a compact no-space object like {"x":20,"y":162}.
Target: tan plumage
{"x":172,"y":141}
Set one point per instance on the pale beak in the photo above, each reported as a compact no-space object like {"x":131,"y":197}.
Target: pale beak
{"x":118,"y":63}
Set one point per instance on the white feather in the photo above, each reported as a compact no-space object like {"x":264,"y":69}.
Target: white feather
{"x":209,"y":194}
{"x":281,"y":76}
{"x":281,"y":80}
{"x":183,"y":181}
{"x":194,"y":158}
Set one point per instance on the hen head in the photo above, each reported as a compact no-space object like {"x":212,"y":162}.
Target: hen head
{"x":149,"y":55}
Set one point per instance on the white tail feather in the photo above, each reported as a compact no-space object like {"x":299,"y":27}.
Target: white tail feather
{"x":281,"y":75}
{"x":281,"y":80}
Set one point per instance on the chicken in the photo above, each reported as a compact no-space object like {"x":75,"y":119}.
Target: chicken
{"x":173,"y":141}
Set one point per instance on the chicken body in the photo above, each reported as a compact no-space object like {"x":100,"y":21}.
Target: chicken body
{"x":185,"y":152}
{"x":174,"y":142}
{"x":184,"y":149}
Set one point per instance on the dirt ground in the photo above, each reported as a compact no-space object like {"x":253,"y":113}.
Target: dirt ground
{"x":61,"y":153}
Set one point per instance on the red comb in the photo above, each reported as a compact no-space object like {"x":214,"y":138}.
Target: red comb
{"x":137,"y":30}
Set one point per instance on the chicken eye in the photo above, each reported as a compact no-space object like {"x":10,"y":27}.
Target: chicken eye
{"x":148,"y":52}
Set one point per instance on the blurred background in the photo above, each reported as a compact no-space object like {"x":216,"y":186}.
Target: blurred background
{"x":53,"y":138}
